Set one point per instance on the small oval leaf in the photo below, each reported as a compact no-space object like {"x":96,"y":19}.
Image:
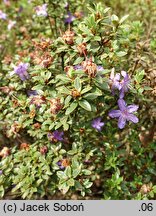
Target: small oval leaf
{"x":71,"y":108}
{"x":85,"y":105}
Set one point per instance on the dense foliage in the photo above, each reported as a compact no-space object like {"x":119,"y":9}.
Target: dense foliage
{"x":77,"y":99}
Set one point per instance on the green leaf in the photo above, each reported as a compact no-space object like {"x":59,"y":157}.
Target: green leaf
{"x":38,"y":87}
{"x":51,"y":125}
{"x":86,"y":172}
{"x":58,"y":125}
{"x":71,"y":108}
{"x":139,"y":76}
{"x":77,"y":84}
{"x":102,"y":84}
{"x":78,"y":186}
{"x":97,"y":38}
{"x":123,"y":19}
{"x":87,"y":184}
{"x":63,"y":90}
{"x":78,"y":60}
{"x":148,"y":88}
{"x":25,"y":193}
{"x":65,"y":127}
{"x":48,"y":75}
{"x":67,"y":100}
{"x":85,"y":105}
{"x":121,"y":53}
{"x":90,"y":96}
{"x":64,"y":188}
{"x":106,"y":10}
{"x":70,"y":182}
{"x":115,"y":19}
{"x":63,"y":78}
{"x":68,"y":171}
{"x":88,"y":88}
{"x":62,"y":175}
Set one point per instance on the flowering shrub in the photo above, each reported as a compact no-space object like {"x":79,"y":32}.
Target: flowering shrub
{"x":67,"y":74}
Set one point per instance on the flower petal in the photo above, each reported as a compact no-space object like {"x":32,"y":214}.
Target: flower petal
{"x":100,"y":68}
{"x":132,"y":118}
{"x":117,"y":76}
{"x":122,"y":104}
{"x":122,"y":93}
{"x":123,"y":73}
{"x":121,"y":122}
{"x":114,"y":113}
{"x":112,"y":74}
{"x":116,"y":85}
{"x":132,"y":108}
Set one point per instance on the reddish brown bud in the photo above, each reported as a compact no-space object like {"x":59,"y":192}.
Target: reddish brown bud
{"x":65,"y":162}
{"x":43,"y":150}
{"x":78,"y":14}
{"x":82,"y":48}
{"x":145,"y":188}
{"x":4,"y":152}
{"x":68,"y":37}
{"x":55,"y":105}
{"x":82,"y":130}
{"x":90,"y":68}
{"x":37,"y":125}
{"x":24,"y":146}
{"x":75,"y":93}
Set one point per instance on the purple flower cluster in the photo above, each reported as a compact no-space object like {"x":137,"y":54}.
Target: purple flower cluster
{"x":41,"y":10}
{"x":122,"y":86}
{"x":56,"y":136}
{"x":124,"y":113}
{"x":21,"y":71}
{"x":3,"y":15}
{"x":69,"y":18}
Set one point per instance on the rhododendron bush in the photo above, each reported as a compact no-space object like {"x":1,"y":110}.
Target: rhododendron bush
{"x":77,"y":99}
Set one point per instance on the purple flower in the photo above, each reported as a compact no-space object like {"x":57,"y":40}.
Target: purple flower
{"x":32,"y":92}
{"x":3,"y":15}
{"x":41,"y":10}
{"x":114,"y":81}
{"x":97,"y":124}
{"x":21,"y":71}
{"x":59,"y":163}
{"x":56,"y":136}
{"x":11,"y":24}
{"x":1,"y":172}
{"x":66,"y":5}
{"x":124,"y":114}
{"x":69,"y":18}
{"x":78,"y":67}
{"x":124,"y":84}
{"x":100,"y":68}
